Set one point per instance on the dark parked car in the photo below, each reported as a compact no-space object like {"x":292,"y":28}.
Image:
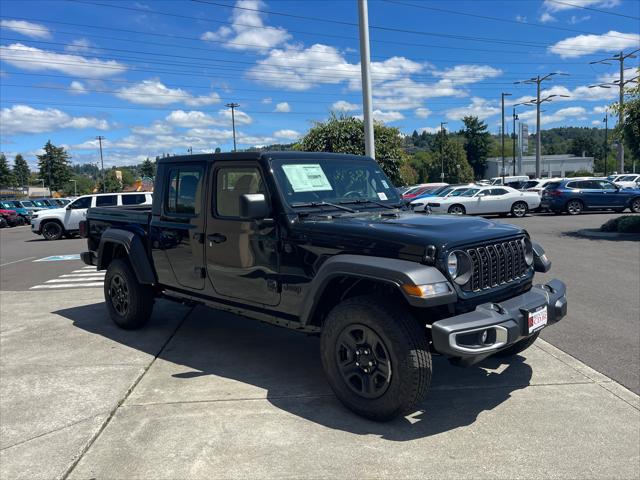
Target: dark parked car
{"x":577,"y":195}
{"x":320,"y":243}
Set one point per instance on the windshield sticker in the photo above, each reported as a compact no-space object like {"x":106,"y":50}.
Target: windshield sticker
{"x":307,"y":178}
{"x":382,"y":196}
{"x":385,"y":184}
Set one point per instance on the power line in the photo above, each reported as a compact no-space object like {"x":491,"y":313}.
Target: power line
{"x":591,"y":9}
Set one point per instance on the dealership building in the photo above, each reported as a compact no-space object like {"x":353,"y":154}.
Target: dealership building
{"x":551,"y":165}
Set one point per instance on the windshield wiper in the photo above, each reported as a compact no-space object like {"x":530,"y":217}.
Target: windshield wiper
{"x":366,"y":200}
{"x":322,"y":204}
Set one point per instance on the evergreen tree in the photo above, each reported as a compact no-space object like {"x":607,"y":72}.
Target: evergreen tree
{"x":54,"y":166}
{"x":148,"y":168}
{"x":21,"y":171}
{"x":6,"y":178}
{"x":477,"y":144}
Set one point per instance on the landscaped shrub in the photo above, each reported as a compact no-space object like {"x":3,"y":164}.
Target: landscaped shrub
{"x":610,"y":225}
{"x":624,"y":224}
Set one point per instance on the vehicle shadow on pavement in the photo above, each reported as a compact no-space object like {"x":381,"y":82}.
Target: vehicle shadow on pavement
{"x":217,"y":356}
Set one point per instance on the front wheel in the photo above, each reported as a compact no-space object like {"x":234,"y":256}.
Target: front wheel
{"x":635,"y":205}
{"x":52,"y":231}
{"x":129,"y":302}
{"x":457,"y":210}
{"x":519,"y":209}
{"x":376,"y":357}
{"x":574,"y":207}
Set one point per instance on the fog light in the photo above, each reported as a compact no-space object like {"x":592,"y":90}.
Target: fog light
{"x":483,"y":337}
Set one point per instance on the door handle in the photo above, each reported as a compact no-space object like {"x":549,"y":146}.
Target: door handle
{"x":216,"y":238}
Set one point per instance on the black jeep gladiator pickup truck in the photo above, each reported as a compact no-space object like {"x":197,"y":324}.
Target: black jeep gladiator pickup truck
{"x":320,"y":243}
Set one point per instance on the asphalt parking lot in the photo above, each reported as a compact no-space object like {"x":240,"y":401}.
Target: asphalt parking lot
{"x":200,"y":394}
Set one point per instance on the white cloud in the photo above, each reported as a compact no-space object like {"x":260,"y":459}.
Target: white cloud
{"x":463,"y":74}
{"x":479,"y":107}
{"x":521,"y":18}
{"x":266,"y":101}
{"x":81,"y":45}
{"x":156,"y":128}
{"x":241,"y":118}
{"x":282,"y":107}
{"x":248,"y":31}
{"x":25,"y":119}
{"x":560,"y":115}
{"x":385,"y":116}
{"x":287,"y":134}
{"x":580,"y":93}
{"x":600,"y":109}
{"x":35,"y":59}
{"x":587,"y":44}
{"x":344,"y":106}
{"x":546,"y":17}
{"x":553,"y":6}
{"x":575,"y":19}
{"x":77,"y":88}
{"x":429,"y":129}
{"x":422,"y":112}
{"x":28,"y":29}
{"x":596,"y":122}
{"x":198,"y":119}
{"x":154,"y":92}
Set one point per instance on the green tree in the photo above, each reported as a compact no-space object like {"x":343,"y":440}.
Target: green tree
{"x":148,"y":168}
{"x":84,"y":185}
{"x":128,"y":177}
{"x":6,"y":177}
{"x":342,"y":134}
{"x":629,"y":131}
{"x":54,"y":166}
{"x":111,"y":183}
{"x":21,"y":171}
{"x":408,"y":176}
{"x":477,"y":144}
{"x":421,"y":162}
{"x":454,"y":158}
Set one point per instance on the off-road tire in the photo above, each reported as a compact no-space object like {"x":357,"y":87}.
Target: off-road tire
{"x":519,"y":209}
{"x":575,"y":207}
{"x":52,"y":230}
{"x":635,"y":205}
{"x":457,"y":209}
{"x":139,"y":297}
{"x":518,"y":347}
{"x":406,"y":344}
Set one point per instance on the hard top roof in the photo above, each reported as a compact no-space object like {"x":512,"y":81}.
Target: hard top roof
{"x":292,"y":155}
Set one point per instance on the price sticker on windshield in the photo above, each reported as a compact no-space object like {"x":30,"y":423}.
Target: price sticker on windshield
{"x":307,"y":178}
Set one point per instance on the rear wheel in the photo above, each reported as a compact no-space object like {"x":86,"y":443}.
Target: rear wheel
{"x":376,"y":357}
{"x":52,"y":231}
{"x":457,"y":210}
{"x":635,"y":205}
{"x":518,"y":347}
{"x":574,"y":207}
{"x":519,"y":209}
{"x":128,"y":301}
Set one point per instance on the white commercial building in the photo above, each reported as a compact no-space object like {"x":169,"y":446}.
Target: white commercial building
{"x":551,"y":165}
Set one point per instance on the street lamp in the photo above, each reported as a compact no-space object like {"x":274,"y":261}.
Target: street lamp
{"x":514,"y":138}
{"x":42,"y":180}
{"x":605,"y":120}
{"x":502,"y":132}
{"x":442,"y":124}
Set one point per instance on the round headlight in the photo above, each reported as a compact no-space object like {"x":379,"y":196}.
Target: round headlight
{"x":452,"y":265}
{"x":528,"y":251}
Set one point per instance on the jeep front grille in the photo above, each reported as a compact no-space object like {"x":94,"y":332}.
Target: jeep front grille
{"x":496,"y":264}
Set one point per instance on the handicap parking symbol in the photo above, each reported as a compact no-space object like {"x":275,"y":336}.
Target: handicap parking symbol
{"x":57,"y":258}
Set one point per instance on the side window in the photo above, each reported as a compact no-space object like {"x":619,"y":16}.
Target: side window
{"x":136,"y":199}
{"x":499,"y":191}
{"x":231,"y":183}
{"x":183,"y":192}
{"x":604,"y":185}
{"x":84,"y":202}
{"x":106,"y":201}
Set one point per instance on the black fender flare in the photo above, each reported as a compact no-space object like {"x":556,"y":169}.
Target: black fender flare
{"x":136,"y":252}
{"x":394,"y":272}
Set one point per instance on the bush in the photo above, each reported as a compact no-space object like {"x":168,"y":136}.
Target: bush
{"x":624,"y":224}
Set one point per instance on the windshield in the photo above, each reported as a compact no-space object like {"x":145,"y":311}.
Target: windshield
{"x":441,"y":191}
{"x":332,"y":180}
{"x":40,"y":203}
{"x":458,"y":192}
{"x":7,"y":205}
{"x":27,"y":204}
{"x":469,"y":193}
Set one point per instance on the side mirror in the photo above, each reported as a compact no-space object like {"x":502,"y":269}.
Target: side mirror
{"x":253,"y":206}
{"x":482,"y":194}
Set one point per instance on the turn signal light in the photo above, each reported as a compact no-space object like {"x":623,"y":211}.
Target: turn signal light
{"x":428,"y":290}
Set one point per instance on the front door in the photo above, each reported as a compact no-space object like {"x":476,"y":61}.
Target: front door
{"x":178,"y":232}
{"x":612,"y":196}
{"x":76,"y":212}
{"x":242,"y":256}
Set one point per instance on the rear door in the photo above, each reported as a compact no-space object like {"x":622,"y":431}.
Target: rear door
{"x":178,"y":231}
{"x":76,"y":211}
{"x":241,"y":255}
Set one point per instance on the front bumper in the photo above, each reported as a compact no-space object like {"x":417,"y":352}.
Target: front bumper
{"x":505,"y":323}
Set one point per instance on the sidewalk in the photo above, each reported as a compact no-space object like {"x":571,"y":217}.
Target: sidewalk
{"x":232,"y":398}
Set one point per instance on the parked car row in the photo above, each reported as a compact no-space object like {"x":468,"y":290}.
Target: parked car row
{"x":575,"y":195}
{"x":10,"y":218}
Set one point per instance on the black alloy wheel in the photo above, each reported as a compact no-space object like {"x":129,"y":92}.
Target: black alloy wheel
{"x":363,"y":361}
{"x":52,"y":231}
{"x":119,"y":294}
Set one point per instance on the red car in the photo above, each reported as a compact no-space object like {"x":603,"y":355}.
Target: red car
{"x":11,"y":217}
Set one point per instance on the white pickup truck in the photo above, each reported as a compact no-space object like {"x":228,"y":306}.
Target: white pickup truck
{"x":58,"y":222}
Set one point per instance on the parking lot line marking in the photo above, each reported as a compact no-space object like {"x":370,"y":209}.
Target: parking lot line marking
{"x":16,"y":261}
{"x":68,"y":285}
{"x":80,"y":271}
{"x":57,"y":258}
{"x":83,"y":279}
{"x":94,"y":274}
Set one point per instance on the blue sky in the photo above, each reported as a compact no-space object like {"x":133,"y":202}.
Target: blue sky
{"x":153,"y":77}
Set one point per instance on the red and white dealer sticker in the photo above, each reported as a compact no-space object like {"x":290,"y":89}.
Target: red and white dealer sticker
{"x":537,"y":319}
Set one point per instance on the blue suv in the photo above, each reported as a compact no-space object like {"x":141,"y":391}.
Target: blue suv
{"x":576,"y":195}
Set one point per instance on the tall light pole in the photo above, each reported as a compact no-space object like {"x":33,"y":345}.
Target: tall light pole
{"x":442,"y":124}
{"x":233,"y":107}
{"x":502,"y":95}
{"x":538,"y":81}
{"x":606,"y":141}
{"x":365,"y":70}
{"x":514,"y":138}
{"x":100,"y":138}
{"x":42,"y":180}
{"x":620,"y":58}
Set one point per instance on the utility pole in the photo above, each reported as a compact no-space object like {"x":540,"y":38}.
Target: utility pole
{"x":100,"y":138}
{"x":620,"y":58}
{"x":365,"y":70}
{"x":515,"y":139}
{"x":190,"y":150}
{"x":49,"y":169}
{"x":233,"y":107}
{"x":75,"y":188}
{"x":442,"y":124}
{"x":606,"y":141}
{"x":502,"y":95}
{"x":537,"y":102}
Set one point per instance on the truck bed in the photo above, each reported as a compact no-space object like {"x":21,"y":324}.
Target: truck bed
{"x":140,"y":214}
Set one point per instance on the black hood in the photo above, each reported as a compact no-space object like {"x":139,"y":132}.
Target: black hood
{"x":404,"y":232}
